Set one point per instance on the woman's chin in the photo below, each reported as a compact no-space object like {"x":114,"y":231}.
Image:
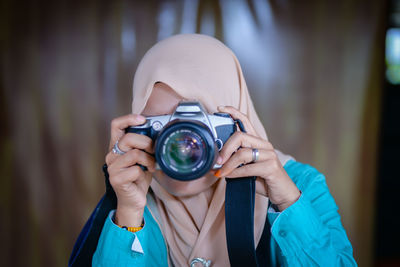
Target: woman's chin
{"x":185,"y":189}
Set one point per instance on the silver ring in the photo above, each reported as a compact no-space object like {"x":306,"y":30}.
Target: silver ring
{"x":255,"y":154}
{"x":117,"y":150}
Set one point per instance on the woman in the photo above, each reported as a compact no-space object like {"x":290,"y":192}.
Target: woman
{"x":174,"y":223}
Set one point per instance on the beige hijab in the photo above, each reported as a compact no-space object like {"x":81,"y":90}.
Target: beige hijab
{"x":198,"y":67}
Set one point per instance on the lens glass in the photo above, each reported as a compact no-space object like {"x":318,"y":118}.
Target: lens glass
{"x":184,"y":151}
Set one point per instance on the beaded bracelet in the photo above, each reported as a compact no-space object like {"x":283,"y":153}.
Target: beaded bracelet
{"x":132,"y":229}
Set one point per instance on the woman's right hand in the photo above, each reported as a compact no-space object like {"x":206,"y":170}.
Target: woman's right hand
{"x":128,"y":180}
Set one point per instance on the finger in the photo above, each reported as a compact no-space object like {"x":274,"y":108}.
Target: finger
{"x":240,"y":139}
{"x":132,"y":176}
{"x":127,"y":176}
{"x":119,"y":124}
{"x":110,"y":158}
{"x":132,"y":157}
{"x":243,"y":156}
{"x":254,"y":169}
{"x":262,"y":169}
{"x":131,"y":141}
{"x":236,"y":114}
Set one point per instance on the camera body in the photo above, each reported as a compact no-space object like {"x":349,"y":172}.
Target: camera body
{"x":187,"y":142}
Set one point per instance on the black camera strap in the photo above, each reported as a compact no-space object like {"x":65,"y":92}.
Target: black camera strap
{"x":239,"y":221}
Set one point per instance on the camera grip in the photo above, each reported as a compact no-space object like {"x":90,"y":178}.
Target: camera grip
{"x":142,"y":131}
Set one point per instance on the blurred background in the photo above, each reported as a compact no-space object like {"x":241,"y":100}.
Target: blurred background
{"x":324,"y":77}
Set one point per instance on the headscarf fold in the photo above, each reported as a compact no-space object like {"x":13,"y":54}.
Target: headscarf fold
{"x":201,"y":68}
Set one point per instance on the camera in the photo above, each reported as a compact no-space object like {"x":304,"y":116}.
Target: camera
{"x":187,"y":142}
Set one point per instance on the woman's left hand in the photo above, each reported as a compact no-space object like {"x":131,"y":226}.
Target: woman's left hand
{"x":272,"y":179}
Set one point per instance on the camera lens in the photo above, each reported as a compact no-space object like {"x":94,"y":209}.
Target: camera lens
{"x":185,"y":150}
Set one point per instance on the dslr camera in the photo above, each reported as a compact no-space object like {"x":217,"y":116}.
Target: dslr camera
{"x":187,"y":142}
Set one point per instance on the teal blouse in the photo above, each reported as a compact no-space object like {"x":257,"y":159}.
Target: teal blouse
{"x":308,"y":233}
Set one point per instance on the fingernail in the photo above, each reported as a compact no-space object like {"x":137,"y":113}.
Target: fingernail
{"x":219,"y":160}
{"x":140,"y":118}
{"x":221,"y":107}
{"x":218,"y":174}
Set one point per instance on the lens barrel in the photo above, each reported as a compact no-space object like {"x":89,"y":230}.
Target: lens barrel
{"x":185,"y":150}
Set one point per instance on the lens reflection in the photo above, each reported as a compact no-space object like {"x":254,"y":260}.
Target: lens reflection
{"x":184,"y":151}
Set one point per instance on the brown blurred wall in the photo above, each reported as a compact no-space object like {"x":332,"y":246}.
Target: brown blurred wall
{"x":314,"y":69}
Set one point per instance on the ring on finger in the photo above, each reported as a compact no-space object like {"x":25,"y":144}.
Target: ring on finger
{"x":117,"y":150}
{"x":255,"y":155}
